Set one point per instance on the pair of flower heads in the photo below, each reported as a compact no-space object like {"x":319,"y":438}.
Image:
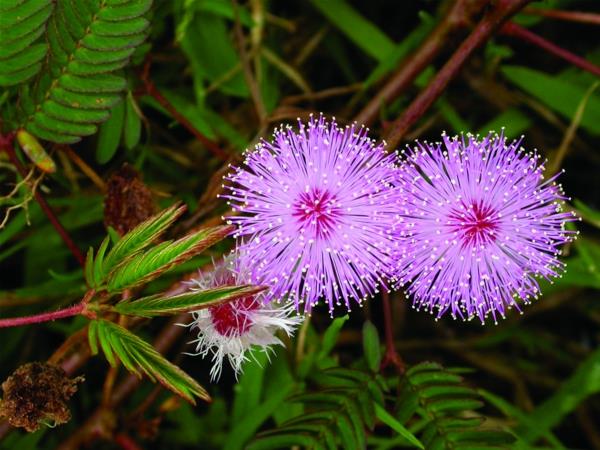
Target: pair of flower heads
{"x":323,"y":213}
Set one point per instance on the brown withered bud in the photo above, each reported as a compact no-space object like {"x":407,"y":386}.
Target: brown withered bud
{"x":37,"y":394}
{"x":128,"y":200}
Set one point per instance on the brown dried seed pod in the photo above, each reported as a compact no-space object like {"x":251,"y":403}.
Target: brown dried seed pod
{"x":37,"y":394}
{"x":128,"y":200}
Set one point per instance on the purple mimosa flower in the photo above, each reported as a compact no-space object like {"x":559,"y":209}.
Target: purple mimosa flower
{"x":318,"y":209}
{"x":481,"y":224}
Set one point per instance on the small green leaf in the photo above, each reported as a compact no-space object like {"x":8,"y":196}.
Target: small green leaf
{"x":371,"y":346}
{"x":99,"y":263}
{"x":158,"y":305}
{"x":331,"y":335}
{"x":133,"y":123}
{"x":110,"y":135}
{"x":390,"y":421}
{"x":93,"y":337}
{"x":139,"y":356}
{"x":89,"y":267}
{"x":454,"y":404}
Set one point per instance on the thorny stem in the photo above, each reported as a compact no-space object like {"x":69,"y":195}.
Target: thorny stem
{"x":6,"y":145}
{"x":151,"y":90}
{"x":75,"y":310}
{"x":499,"y":12}
{"x":391,"y":355}
{"x":570,"y":16}
{"x":512,"y":29}
{"x":458,"y":16}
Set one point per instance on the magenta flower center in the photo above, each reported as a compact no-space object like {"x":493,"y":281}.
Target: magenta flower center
{"x":476,"y":224}
{"x":317,"y":211}
{"x":234,"y":318}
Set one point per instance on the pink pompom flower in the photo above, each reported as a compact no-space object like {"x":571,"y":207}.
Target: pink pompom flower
{"x":482,"y":225}
{"x":318,"y":209}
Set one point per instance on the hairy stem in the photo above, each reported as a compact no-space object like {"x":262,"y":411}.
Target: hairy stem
{"x":7,"y":146}
{"x":43,"y":317}
{"x":500,"y":12}
{"x":512,"y":29}
{"x":71,"y":311}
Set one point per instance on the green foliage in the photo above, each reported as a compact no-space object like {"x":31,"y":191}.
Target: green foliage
{"x":336,"y":414}
{"x":584,"y":382}
{"x":81,"y":81}
{"x":132,"y":124}
{"x":64,"y":74}
{"x":140,"y":357}
{"x":558,"y":93}
{"x":391,"y":421}
{"x":22,"y":23}
{"x":159,"y":305}
{"x":362,"y":32}
{"x":446,"y":406}
{"x":109,"y":135}
{"x":142,"y":236}
{"x":371,"y":346}
{"x":143,"y":267}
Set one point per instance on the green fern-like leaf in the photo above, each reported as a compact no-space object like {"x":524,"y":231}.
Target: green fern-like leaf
{"x":448,"y":407}
{"x":159,"y":305}
{"x":140,"y":357}
{"x":142,"y":236}
{"x":143,"y":267}
{"x":22,"y":23}
{"x":336,"y":415}
{"x":90,"y":41}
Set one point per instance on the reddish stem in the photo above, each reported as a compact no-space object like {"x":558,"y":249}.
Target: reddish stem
{"x":570,"y":16}
{"x":512,"y":29}
{"x":6,"y":146}
{"x":126,"y":442}
{"x":458,"y":16}
{"x":502,"y":10}
{"x":79,"y":308}
{"x":391,"y":355}
{"x":43,"y":317}
{"x":155,"y":93}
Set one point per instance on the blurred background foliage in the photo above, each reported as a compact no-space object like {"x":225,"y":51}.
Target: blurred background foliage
{"x":538,"y":372}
